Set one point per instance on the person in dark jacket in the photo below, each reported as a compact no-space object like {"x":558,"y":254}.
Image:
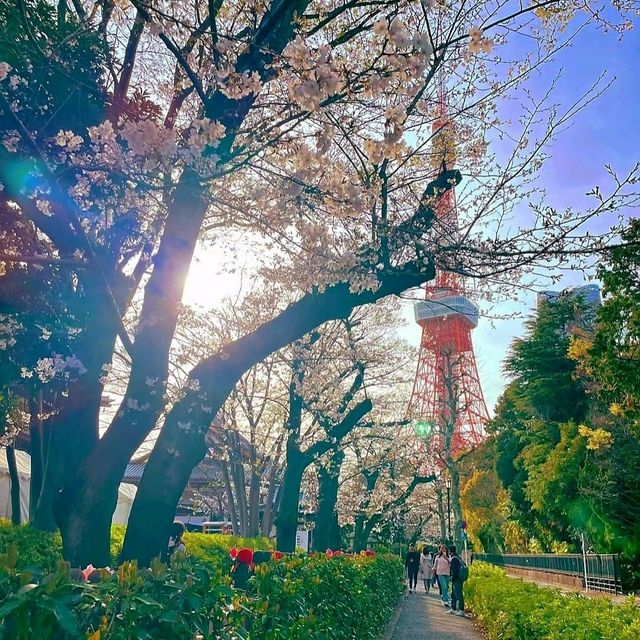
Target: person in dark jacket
{"x":412,"y":564}
{"x":457,"y":584}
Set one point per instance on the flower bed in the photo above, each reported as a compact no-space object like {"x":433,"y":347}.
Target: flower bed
{"x":160,"y":603}
{"x":508,"y":608}
{"x":294,"y":597}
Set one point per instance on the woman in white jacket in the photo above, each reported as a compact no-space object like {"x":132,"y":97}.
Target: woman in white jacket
{"x":425,"y":572}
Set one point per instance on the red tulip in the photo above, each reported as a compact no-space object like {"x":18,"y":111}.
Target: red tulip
{"x":370,"y":553}
{"x":329,"y":553}
{"x":338,"y":553}
{"x":233,"y":552}
{"x":277,"y":555}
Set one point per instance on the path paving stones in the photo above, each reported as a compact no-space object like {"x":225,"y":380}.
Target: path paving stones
{"x":422,"y":617}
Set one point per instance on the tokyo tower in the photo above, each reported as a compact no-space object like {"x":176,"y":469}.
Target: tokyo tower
{"x":447,"y":363}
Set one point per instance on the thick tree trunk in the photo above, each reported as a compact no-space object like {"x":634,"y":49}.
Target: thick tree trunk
{"x":327,"y":530}
{"x":287,"y":521}
{"x":70,"y":436}
{"x":163,"y":483}
{"x":367,"y":531}
{"x":93,"y":488}
{"x":358,"y":530}
{"x":14,"y":478}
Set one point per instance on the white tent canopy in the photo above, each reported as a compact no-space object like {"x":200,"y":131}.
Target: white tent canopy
{"x":126,"y":492}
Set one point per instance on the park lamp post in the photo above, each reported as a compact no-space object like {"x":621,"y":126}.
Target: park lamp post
{"x":448,"y":482}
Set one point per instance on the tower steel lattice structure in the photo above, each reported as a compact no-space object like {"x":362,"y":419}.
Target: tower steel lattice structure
{"x":447,"y":386}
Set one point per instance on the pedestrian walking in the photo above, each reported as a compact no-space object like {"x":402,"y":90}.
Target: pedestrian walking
{"x":459,"y":574}
{"x":426,"y":568}
{"x":442,"y":568}
{"x":176,"y":543}
{"x":412,"y":565}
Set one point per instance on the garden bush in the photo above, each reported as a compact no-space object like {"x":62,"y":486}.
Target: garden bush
{"x":510,"y":609}
{"x":35,"y":548}
{"x":295,"y":597}
{"x":161,"y":603}
{"x":213,"y":548}
{"x":44,"y":550}
{"x":320,"y":598}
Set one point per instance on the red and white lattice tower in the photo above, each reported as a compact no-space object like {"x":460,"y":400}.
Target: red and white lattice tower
{"x":447,"y":317}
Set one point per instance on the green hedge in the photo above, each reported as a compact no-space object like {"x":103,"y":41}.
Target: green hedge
{"x":298,"y":597}
{"x":35,"y":548}
{"x":42,"y":549}
{"x":510,"y":609}
{"x":316,"y":598}
{"x":214,"y":547}
{"x":161,"y":603}
{"x":310,"y":598}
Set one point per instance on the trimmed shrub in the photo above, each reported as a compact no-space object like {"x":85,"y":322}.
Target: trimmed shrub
{"x":44,"y":550}
{"x":320,"y":598}
{"x":164,"y":603}
{"x":35,"y":548}
{"x":510,"y":609}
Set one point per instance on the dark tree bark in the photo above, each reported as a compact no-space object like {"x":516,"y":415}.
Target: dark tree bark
{"x":327,"y":530}
{"x":287,"y":521}
{"x":36,"y":439}
{"x":14,"y":478}
{"x":371,"y":477}
{"x":236,"y":469}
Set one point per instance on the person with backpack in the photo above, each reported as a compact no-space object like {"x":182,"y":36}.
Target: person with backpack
{"x":459,"y":573}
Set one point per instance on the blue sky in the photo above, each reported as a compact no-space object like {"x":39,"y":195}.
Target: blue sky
{"x":608,"y":132}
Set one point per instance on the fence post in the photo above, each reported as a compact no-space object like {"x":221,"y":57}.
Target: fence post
{"x":584,"y":562}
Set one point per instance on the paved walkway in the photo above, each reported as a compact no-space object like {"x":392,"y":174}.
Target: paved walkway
{"x":422,"y":617}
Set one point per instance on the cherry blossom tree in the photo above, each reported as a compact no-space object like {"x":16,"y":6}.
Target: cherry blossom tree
{"x":308,"y":129}
{"x":383,"y":474}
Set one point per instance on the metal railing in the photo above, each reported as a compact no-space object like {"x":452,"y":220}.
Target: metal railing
{"x":598,"y":572}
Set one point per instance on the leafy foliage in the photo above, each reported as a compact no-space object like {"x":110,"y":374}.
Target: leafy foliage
{"x":172,"y":603}
{"x":313,"y":598}
{"x":35,"y":548}
{"x":298,"y":597}
{"x":509,"y":608}
{"x":214,"y":548}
